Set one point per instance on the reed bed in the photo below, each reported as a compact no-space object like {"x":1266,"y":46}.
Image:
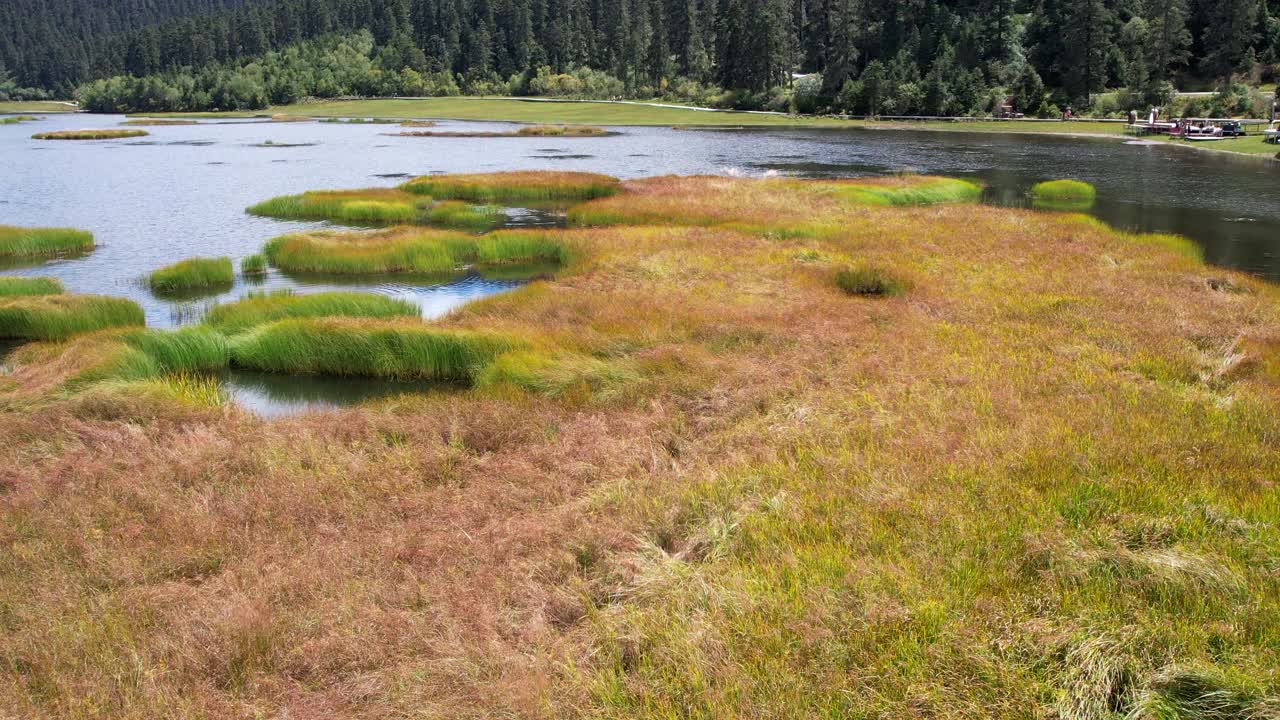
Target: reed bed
{"x":373,"y":205}
{"x":408,"y":250}
{"x":399,"y":349}
{"x":16,"y":286}
{"x":114,"y":134}
{"x":36,"y":242}
{"x":194,"y":274}
{"x":262,"y":308}
{"x":519,"y":186}
{"x":1064,"y":190}
{"x":57,"y":317}
{"x":254,"y":265}
{"x":15,"y":119}
{"x":361,"y":121}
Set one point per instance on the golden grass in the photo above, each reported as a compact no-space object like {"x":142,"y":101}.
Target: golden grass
{"x":522,"y":185}
{"x":116,"y":134}
{"x":409,"y":250}
{"x":1038,"y":484}
{"x":559,"y":131}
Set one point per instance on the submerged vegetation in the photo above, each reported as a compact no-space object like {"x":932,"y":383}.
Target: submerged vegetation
{"x":408,"y":250}
{"x":14,"y":286}
{"x":58,"y":316}
{"x":687,"y":477}
{"x":37,"y":242}
{"x":518,"y":186}
{"x":195,"y":274}
{"x":115,"y":134}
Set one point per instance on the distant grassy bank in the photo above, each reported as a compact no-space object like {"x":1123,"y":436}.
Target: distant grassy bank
{"x":36,"y":106}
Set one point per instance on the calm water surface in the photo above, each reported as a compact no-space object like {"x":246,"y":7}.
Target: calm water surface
{"x":182,"y":192}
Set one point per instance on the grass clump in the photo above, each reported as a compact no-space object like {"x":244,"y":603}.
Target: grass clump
{"x":519,"y":186}
{"x":35,"y":242}
{"x":373,"y":205}
{"x":1063,"y":195}
{"x":870,"y":281}
{"x":927,"y":191}
{"x":254,"y":265}
{"x":158,"y":122}
{"x":408,"y":250}
{"x":371,"y":348}
{"x":57,"y":317}
{"x":16,"y":286}
{"x":15,"y":119}
{"x":195,"y":274}
{"x":560,"y":375}
{"x":570,"y":131}
{"x":458,"y":215}
{"x":116,"y":134}
{"x":259,"y":309}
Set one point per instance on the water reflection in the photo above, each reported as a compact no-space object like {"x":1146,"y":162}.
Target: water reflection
{"x":273,"y":396}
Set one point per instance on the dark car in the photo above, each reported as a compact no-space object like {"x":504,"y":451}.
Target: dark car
{"x":1231,"y":128}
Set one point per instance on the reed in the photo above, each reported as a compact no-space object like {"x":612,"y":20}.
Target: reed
{"x":35,"y":242}
{"x":261,"y":308}
{"x":408,"y":250}
{"x":57,"y":317}
{"x":15,"y":286}
{"x":519,"y":186}
{"x":400,"y":349}
{"x":193,"y":274}
{"x":373,"y":205}
{"x":869,"y":281}
{"x":115,"y":134}
{"x":254,"y":265}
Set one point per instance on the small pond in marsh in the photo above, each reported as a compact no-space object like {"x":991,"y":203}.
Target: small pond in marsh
{"x":181,"y":192}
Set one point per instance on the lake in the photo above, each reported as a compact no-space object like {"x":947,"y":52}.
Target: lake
{"x":182,"y":192}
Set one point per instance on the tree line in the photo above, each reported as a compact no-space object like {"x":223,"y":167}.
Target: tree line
{"x":935,"y":57}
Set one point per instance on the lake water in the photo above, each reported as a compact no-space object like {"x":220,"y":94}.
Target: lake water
{"x":182,"y":191}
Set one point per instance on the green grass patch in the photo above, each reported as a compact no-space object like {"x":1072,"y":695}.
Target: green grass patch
{"x":373,"y":205}
{"x":158,"y":122}
{"x":869,"y":281}
{"x":400,"y":349}
{"x":193,"y":274}
{"x":408,"y":250}
{"x":259,"y":309}
{"x":519,"y":186}
{"x":1064,"y":195}
{"x":458,"y":215}
{"x":15,"y":119}
{"x":560,"y":375}
{"x":254,"y":265}
{"x":143,"y":353}
{"x":569,"y":131}
{"x":37,"y":106}
{"x":116,"y":134}
{"x":57,"y":317}
{"x":35,"y":242}
{"x":361,"y":121}
{"x":929,"y":191}
{"x":20,"y":286}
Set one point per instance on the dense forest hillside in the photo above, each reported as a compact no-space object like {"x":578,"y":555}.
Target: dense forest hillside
{"x":933,"y":57}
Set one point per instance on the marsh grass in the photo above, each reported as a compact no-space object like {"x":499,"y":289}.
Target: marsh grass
{"x":57,"y":317}
{"x":927,"y":191}
{"x":519,"y":186}
{"x":253,"y":265}
{"x":560,"y":131}
{"x":560,"y":375}
{"x":260,"y":308}
{"x":409,"y":250}
{"x":397,"y":349}
{"x":159,"y":122}
{"x":193,"y":275}
{"x":373,"y":205}
{"x":1064,"y":191}
{"x":115,"y":134}
{"x":35,"y":242}
{"x":16,"y":286}
{"x":868,"y":280}
{"x":361,"y":121}
{"x":15,"y":119}
{"x":459,"y":215}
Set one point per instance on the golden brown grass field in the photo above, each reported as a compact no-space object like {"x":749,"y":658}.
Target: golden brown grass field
{"x":1037,"y":480}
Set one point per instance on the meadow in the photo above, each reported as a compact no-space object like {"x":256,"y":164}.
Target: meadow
{"x":41,"y":242}
{"x":759,"y":449}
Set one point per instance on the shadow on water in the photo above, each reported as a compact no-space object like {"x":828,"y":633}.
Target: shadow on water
{"x":274,"y":396}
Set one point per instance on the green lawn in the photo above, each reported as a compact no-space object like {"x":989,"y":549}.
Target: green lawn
{"x":35,"y":106}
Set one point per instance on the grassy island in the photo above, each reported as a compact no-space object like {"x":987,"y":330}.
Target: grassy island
{"x":54,"y":316}
{"x":408,"y":250}
{"x":116,"y":134}
{"x":695,"y":474}
{"x":196,"y":274}
{"x":15,"y":286}
{"x":569,"y":131}
{"x":40,"y":242}
{"x":518,"y":186}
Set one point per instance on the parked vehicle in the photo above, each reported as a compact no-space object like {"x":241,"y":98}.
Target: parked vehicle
{"x":1233,"y":128}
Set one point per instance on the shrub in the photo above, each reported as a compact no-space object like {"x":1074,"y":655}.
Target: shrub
{"x":57,"y":317}
{"x":31,"y":242}
{"x":193,"y":274}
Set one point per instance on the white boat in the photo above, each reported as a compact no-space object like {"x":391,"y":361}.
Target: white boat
{"x":1272,"y":136}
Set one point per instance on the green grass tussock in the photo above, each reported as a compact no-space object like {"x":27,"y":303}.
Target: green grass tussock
{"x":145,"y":354}
{"x":560,"y":375}
{"x":15,"y":286}
{"x":57,"y":317}
{"x":374,"y":205}
{"x":15,"y":119}
{"x":869,"y":281}
{"x":408,"y":250}
{"x":929,"y":191}
{"x":372,"y":348}
{"x":193,"y":274}
{"x":116,"y":134}
{"x":35,"y":242}
{"x":519,"y":186}
{"x":458,"y":215}
{"x":1069,"y":190}
{"x":259,"y":309}
{"x":158,"y":122}
{"x":254,"y":265}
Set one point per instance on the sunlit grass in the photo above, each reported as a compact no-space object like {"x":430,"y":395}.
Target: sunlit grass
{"x":15,"y":119}
{"x":35,"y":242}
{"x":401,"y":349}
{"x":55,"y":317}
{"x":869,"y":280}
{"x":407,"y":250}
{"x":253,"y":265}
{"x":373,"y":205}
{"x":115,"y":134}
{"x":193,"y":274}
{"x":258,"y":309}
{"x":518,"y":186}
{"x":1065,"y":195}
{"x":14,"y":286}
